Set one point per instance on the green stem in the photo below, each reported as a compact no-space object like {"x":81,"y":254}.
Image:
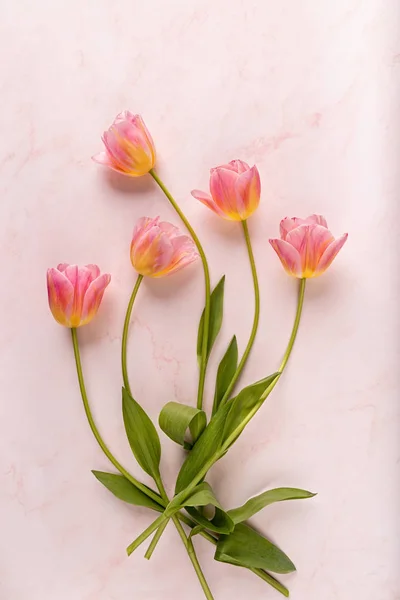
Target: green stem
{"x":295,"y":326}
{"x":255,"y":320}
{"x":155,"y":540}
{"x":125,"y":333}
{"x":146,"y":533}
{"x":153,"y":495}
{"x":203,"y":362}
{"x":197,"y":567}
{"x":229,"y":441}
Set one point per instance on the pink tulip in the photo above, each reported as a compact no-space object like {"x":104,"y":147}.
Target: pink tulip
{"x":235,"y":191}
{"x":159,"y":249}
{"x":129,"y":147}
{"x":75,"y":293}
{"x":307,"y":247}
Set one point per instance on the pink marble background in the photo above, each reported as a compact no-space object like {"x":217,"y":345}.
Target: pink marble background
{"x":310,"y":92}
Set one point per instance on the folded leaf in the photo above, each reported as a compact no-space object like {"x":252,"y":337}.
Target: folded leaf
{"x":176,"y":419}
{"x":142,"y":435}
{"x":204,"y":449}
{"x":203,"y":495}
{"x":254,"y":505}
{"x":125,"y":490}
{"x":216,"y":314}
{"x":226,"y":371}
{"x":243,"y":405}
{"x":251,"y":549}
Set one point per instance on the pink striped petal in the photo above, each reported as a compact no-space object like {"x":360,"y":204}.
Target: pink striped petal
{"x":239,"y":166}
{"x":94,"y":271}
{"x":287,"y":224}
{"x":152,"y":252}
{"x":318,"y":220}
{"x":330,"y":253}
{"x":103,"y":158}
{"x":184,"y":253}
{"x":310,"y":241}
{"x":288,"y":256}
{"x":93,"y":298}
{"x":248,"y":187}
{"x":143,"y":225}
{"x":223,"y":192}
{"x":207,"y":200}
{"x":61,"y":296}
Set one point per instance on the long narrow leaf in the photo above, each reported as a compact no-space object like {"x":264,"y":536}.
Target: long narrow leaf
{"x":216,"y":315}
{"x":254,"y":505}
{"x":142,"y":435}
{"x":125,"y":490}
{"x":225,"y":373}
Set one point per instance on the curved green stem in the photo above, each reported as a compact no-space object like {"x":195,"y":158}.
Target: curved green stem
{"x":203,"y":363}
{"x":295,"y":326}
{"x":153,"y":495}
{"x":255,"y":319}
{"x":126,"y":331}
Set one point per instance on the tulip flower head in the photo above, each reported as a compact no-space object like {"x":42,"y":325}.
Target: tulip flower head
{"x":75,"y":293}
{"x":129,"y":148}
{"x":307,"y":247}
{"x":159,"y":248}
{"x":235,"y":191}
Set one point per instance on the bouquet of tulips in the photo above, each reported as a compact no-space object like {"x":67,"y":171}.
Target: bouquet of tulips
{"x":305,"y":248}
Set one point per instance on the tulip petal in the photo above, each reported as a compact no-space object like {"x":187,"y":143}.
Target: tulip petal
{"x":248,"y":188}
{"x":184,"y":253}
{"x":330,"y":253}
{"x":310,"y":241}
{"x":223,"y":191}
{"x":142,"y":225}
{"x":61,"y":296}
{"x":288,"y":255}
{"x":318,"y":220}
{"x":103,"y":158}
{"x":171,"y":230}
{"x":94,"y":271}
{"x":152,"y":252}
{"x":287,"y":224}
{"x":207,"y":200}
{"x":239,"y":166}
{"x":93,"y":298}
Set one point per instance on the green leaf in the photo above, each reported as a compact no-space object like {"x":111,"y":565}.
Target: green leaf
{"x":251,"y":549}
{"x":176,"y":419}
{"x":244,"y":406}
{"x":216,"y":313}
{"x":226,"y":370}
{"x":261,"y":573}
{"x":204,"y":449}
{"x":125,"y":490}
{"x":142,"y":435}
{"x":254,"y":505}
{"x":203,"y":495}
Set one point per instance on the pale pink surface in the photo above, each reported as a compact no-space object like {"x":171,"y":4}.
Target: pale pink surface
{"x":308,"y":91}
